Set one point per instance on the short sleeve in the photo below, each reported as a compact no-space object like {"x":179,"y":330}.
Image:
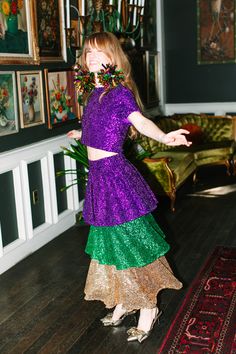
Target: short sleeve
{"x":128,"y":104}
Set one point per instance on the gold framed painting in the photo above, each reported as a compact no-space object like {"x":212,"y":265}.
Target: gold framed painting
{"x":8,"y":103}
{"x":18,"y":40}
{"x":51,"y":30}
{"x":30,"y":93}
{"x":62,"y":103}
{"x":216,"y":31}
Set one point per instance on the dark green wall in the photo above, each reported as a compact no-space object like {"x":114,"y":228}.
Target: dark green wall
{"x":8,"y":218}
{"x":186,"y":81}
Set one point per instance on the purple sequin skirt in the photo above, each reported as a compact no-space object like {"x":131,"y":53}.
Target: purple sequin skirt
{"x":116,"y":192}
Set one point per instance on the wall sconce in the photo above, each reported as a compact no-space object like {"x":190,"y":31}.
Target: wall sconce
{"x":121,"y":17}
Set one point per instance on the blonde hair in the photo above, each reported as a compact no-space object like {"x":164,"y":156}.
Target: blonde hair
{"x":110,"y":45}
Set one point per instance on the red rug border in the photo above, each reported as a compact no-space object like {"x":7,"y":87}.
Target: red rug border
{"x":216,"y":250}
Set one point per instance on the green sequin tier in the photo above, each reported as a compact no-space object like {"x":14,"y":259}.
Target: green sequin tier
{"x":133,"y":244}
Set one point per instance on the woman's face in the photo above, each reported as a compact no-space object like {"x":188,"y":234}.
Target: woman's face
{"x":95,"y":58}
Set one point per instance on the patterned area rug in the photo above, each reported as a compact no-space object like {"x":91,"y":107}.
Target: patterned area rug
{"x":206,"y":321}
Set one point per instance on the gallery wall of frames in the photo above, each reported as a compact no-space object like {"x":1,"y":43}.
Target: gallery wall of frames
{"x":36,"y":77}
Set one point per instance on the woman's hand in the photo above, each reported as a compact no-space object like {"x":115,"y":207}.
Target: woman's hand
{"x":74,"y":134}
{"x":176,"y":137}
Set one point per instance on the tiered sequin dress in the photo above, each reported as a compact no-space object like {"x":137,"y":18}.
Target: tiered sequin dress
{"x":125,"y":243}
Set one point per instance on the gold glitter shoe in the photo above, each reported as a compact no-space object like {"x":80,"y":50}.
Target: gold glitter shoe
{"x":107,"y":320}
{"x":137,"y":334}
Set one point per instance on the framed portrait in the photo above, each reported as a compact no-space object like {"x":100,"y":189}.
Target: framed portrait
{"x":51,"y":30}
{"x":8,"y":103}
{"x":18,"y":40}
{"x":30,"y":93}
{"x":152,"y":79}
{"x":216,"y":31}
{"x":62,"y":105}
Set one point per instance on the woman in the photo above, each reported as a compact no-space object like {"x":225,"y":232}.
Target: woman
{"x":127,"y":247}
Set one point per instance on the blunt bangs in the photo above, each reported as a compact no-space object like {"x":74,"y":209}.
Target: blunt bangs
{"x":101,"y":41}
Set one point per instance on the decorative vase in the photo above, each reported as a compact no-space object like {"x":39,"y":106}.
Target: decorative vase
{"x":3,"y":120}
{"x":12,"y":24}
{"x":60,"y":115}
{"x":31,"y":112}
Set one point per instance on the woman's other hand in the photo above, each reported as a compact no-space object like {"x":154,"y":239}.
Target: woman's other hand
{"x":74,"y":134}
{"x":176,"y":137}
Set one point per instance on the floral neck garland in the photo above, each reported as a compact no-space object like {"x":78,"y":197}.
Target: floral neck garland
{"x":85,"y":83}
{"x":110,"y":77}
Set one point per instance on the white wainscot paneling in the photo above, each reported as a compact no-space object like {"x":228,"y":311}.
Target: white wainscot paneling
{"x":29,"y":239}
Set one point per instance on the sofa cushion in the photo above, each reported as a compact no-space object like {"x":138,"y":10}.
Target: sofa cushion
{"x":195,"y":133}
{"x":181,"y":163}
{"x":215,"y":128}
{"x":211,"y":156}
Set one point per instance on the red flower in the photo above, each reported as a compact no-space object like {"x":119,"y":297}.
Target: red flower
{"x":14,"y":7}
{"x":60,"y":109}
{"x":5,"y":93}
{"x":58,"y":96}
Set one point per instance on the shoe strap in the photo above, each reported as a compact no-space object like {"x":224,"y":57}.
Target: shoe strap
{"x":134,"y":331}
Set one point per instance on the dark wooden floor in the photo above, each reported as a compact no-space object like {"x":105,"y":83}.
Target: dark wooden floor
{"x":42,"y":309}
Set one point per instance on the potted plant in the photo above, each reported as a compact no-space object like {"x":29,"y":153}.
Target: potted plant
{"x":77,"y":151}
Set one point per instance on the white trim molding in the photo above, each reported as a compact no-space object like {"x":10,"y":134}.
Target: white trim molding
{"x":161,"y":55}
{"x":30,"y":239}
{"x":216,"y":108}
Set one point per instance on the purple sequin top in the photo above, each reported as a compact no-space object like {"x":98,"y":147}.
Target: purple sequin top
{"x":105,"y":123}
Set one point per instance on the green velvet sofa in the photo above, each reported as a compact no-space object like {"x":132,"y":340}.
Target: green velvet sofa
{"x":213,"y":140}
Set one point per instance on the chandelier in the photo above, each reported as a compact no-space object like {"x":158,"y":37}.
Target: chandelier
{"x":124,"y":18}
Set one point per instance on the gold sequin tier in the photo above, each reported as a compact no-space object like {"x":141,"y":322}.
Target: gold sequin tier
{"x":135,"y":288}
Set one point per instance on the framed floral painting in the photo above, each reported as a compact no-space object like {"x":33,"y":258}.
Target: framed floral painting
{"x":30,"y":92}
{"x":8,"y":103}
{"x":62,"y":105}
{"x":51,"y":30}
{"x":18,"y":40}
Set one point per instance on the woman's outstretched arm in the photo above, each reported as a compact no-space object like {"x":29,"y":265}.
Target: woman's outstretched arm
{"x":146,"y":127}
